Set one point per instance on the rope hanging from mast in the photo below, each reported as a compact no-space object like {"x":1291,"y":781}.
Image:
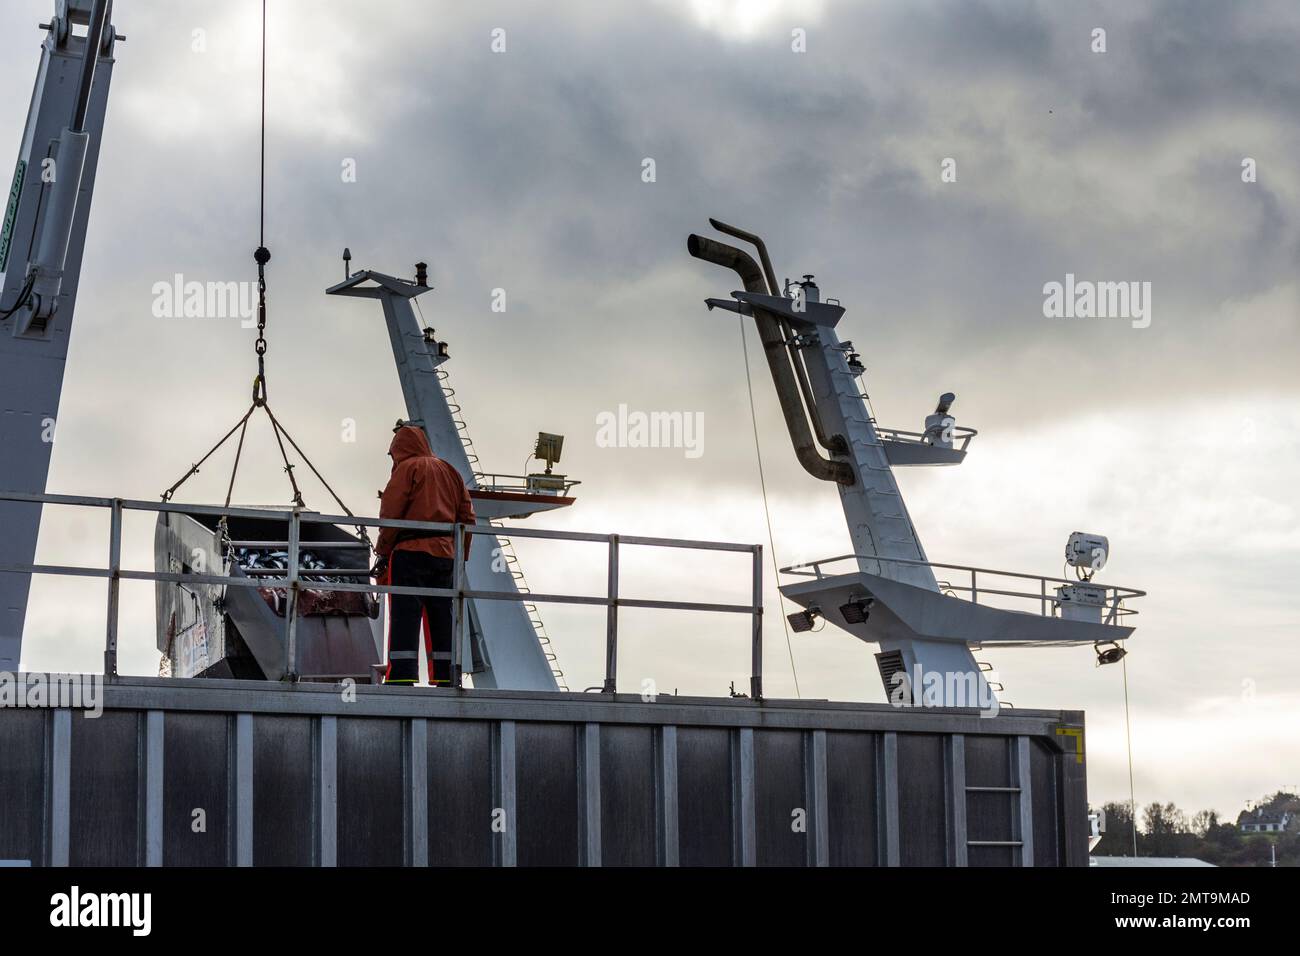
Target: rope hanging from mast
{"x":262,"y":256}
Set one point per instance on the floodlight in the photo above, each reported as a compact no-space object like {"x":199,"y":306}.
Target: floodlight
{"x":857,"y":610}
{"x":801,"y":621}
{"x":1111,"y":655}
{"x":548,"y":449}
{"x":1087,"y":551}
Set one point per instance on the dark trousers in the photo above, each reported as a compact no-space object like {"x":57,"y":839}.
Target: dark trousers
{"x":415,"y":569}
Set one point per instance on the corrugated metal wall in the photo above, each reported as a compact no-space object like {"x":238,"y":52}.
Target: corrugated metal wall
{"x":184,"y":773}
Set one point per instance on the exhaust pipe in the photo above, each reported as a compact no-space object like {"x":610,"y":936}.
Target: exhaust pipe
{"x":835,"y":444}
{"x":778,"y":358}
{"x":768,"y":272}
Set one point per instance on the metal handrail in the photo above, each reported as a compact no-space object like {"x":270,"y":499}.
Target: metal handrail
{"x":959,"y":433}
{"x":493,"y":481}
{"x":298,"y":578}
{"x":1116,"y":594}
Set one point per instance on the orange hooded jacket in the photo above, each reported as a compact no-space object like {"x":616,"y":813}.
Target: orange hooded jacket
{"x":422,"y":488}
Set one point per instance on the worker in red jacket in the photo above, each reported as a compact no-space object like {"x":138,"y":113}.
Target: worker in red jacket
{"x":422,"y":488}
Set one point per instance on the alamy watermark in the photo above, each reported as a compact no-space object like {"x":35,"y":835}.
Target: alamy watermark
{"x":636,"y":429}
{"x":924,"y":688}
{"x":182,"y":299}
{"x":133,"y":911}
{"x":1085,"y":299}
{"x":83,"y":692}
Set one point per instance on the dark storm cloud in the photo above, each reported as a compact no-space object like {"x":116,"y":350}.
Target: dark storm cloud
{"x":521,"y":170}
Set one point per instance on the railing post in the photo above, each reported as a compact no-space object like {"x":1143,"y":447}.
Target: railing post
{"x":611,"y":621}
{"x":1042,"y":588}
{"x":756,"y":678}
{"x":458,"y":581}
{"x":114,"y":586}
{"x":974,"y":592}
{"x":291,"y":601}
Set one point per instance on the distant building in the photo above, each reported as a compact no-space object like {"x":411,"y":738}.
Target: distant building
{"x":1265,"y":820}
{"x":1146,"y":861}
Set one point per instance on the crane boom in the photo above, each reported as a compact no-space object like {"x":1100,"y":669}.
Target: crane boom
{"x":41,"y":246}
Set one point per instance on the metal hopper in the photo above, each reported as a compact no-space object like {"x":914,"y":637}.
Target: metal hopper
{"x":209,"y":630}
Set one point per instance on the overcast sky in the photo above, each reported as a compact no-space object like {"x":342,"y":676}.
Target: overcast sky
{"x":522,"y":170}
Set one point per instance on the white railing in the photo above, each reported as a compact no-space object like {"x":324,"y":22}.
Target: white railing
{"x":524,"y":484}
{"x":960,"y":437}
{"x":971,"y":586}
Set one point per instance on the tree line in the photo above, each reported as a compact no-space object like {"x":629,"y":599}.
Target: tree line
{"x":1165,"y":830}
